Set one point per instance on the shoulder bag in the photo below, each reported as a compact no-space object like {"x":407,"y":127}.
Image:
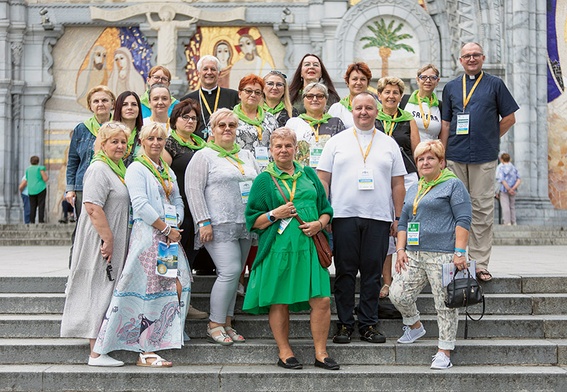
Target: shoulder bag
{"x":324,"y":252}
{"x":463,"y":292}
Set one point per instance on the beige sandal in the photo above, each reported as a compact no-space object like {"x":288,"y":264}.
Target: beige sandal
{"x":235,"y":336}
{"x":222,"y":338}
{"x":157,"y":362}
{"x":384,"y":291}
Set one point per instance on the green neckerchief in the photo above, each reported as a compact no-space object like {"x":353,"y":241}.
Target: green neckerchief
{"x":415,"y":98}
{"x":160,"y":175}
{"x":346,"y":102}
{"x":445,"y":175}
{"x":198,"y":142}
{"x":131,"y":140}
{"x":280,"y":174}
{"x":387,"y":120}
{"x":92,"y":125}
{"x":279,"y":107}
{"x":224,"y":154}
{"x":313,"y":121}
{"x":119,"y":169}
{"x":256,"y":122}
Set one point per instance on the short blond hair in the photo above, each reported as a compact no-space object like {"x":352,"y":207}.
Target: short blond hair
{"x":283,"y":133}
{"x":383,"y":82}
{"x":108,"y":130}
{"x":98,"y":89}
{"x":435,"y":146}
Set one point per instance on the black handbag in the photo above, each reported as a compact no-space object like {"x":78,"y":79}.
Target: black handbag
{"x":463,"y":292}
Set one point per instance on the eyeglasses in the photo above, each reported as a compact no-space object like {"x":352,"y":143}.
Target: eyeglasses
{"x":161,"y":79}
{"x":277,"y":84}
{"x":224,"y":125}
{"x":311,"y":97}
{"x":188,"y":118}
{"x":252,"y":92}
{"x":474,"y":56}
{"x":116,"y":125}
{"x":433,"y":78}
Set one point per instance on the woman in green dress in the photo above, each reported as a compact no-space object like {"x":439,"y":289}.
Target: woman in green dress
{"x":286,"y":274}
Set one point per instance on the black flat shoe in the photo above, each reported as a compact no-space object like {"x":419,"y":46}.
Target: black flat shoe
{"x":327,"y":364}
{"x":290,"y":363}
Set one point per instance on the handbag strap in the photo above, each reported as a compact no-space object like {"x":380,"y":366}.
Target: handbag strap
{"x":285,"y":198}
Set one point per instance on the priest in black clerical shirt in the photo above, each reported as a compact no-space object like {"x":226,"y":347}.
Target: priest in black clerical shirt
{"x":210,"y":96}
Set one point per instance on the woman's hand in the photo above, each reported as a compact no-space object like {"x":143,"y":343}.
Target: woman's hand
{"x":460,"y":262}
{"x":106,"y":250}
{"x":311,"y":228}
{"x":70,"y":197}
{"x":285,"y":211}
{"x":174,"y":236}
{"x":401,"y":261}
{"x":206,"y":233}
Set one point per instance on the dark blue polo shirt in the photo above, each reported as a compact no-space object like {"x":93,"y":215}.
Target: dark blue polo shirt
{"x":490,"y":101}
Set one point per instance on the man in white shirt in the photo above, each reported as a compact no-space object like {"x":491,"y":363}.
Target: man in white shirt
{"x":363,"y":170}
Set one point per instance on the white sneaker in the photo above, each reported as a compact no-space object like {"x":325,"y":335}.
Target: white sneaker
{"x":441,"y":361}
{"x":240,"y":290}
{"x":104,"y":360}
{"x":196,"y":314}
{"x":411,"y":335}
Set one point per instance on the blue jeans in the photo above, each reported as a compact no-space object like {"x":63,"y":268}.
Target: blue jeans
{"x":26,"y":201}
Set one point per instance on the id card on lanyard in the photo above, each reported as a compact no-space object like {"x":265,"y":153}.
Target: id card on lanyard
{"x":245,"y":187}
{"x":170,"y":214}
{"x":262,"y":156}
{"x":463,"y":120}
{"x":366,"y":180}
{"x":413,"y":233}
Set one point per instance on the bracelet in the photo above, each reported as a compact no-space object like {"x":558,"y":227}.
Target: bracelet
{"x":321,"y":223}
{"x":460,"y":250}
{"x":397,"y":218}
{"x":164,"y":229}
{"x":204,"y":223}
{"x":167,"y":231}
{"x":397,"y":250}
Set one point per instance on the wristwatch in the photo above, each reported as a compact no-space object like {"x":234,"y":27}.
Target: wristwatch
{"x":459,"y":254}
{"x":271,"y":217}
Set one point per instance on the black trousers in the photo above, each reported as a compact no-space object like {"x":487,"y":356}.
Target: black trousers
{"x":37,"y":202}
{"x":360,"y":244}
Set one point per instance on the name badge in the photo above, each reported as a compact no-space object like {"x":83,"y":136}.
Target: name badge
{"x":315,"y":156}
{"x":463,"y":123}
{"x":283,"y":224}
{"x":413,"y":233}
{"x":366,"y":180}
{"x":130,"y":217}
{"x":170,"y":214}
{"x":262,"y":156}
{"x":245,"y":190}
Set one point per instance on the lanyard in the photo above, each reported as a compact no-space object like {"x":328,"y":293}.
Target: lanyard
{"x":392,"y":125}
{"x":166,"y":124}
{"x":202,"y":96}
{"x":419,"y":196}
{"x":316,"y":132}
{"x":150,"y":165}
{"x":259,"y":130}
{"x":426,"y":119}
{"x":467,"y":98}
{"x":364,"y":154}
{"x":236,"y":164}
{"x":291,"y":191}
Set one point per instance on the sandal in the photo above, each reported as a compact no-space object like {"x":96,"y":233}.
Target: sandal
{"x":484,"y":275}
{"x":222,"y":338}
{"x":235,"y":336}
{"x":384,"y":291}
{"x":157,"y":362}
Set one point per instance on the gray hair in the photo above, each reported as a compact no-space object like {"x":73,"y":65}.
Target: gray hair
{"x":319,"y":86}
{"x":284,"y":133}
{"x":208,"y":57}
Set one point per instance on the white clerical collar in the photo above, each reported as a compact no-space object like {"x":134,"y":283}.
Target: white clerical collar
{"x":209,"y":91}
{"x":361,"y":132}
{"x":473,"y":77}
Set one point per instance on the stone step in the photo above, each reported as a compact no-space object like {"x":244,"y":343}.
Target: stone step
{"x":36,"y":242}
{"x":257,"y":327}
{"x":35,"y":234}
{"x":264,"y":352}
{"x":271,"y":378}
{"x":529,"y":235}
{"x":509,"y":284}
{"x":525,"y":304}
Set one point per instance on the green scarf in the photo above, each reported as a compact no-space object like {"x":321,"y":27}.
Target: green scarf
{"x":92,"y":125}
{"x":313,"y":121}
{"x":387,"y":120}
{"x":346,"y":103}
{"x":198,"y":142}
{"x":276,"y":172}
{"x":445,"y":175}
{"x":415,"y":98}
{"x":160,"y":175}
{"x":256,"y":122}
{"x":224,"y":154}
{"x":131,"y":140}
{"x":279,"y":107}
{"x":119,"y":169}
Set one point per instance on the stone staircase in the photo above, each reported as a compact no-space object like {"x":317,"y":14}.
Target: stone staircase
{"x":45,"y":234}
{"x":520,"y":344}
{"x":530,"y":235}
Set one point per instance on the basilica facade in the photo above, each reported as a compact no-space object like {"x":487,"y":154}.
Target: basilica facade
{"x":53,"y":52}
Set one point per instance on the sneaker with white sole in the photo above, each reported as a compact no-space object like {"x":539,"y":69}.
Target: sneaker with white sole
{"x":240,"y":291}
{"x":411,"y":335}
{"x":104,"y":360}
{"x":196,"y":314}
{"x":441,"y":361}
